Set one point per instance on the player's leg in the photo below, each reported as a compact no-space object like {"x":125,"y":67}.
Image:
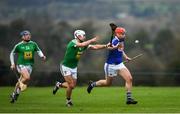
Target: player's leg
{"x":99,"y":83}
{"x":70,"y":76}
{"x":109,"y":72}
{"x":24,"y":78}
{"x":16,"y":92}
{"x":126,"y":75}
{"x":64,"y":71}
{"x":71,"y":85}
{"x":106,"y":82}
{"x":59,"y":85}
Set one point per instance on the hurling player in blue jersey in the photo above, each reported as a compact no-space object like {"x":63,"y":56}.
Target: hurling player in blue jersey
{"x":114,"y":65}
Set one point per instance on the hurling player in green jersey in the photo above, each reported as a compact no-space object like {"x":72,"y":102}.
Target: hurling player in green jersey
{"x":68,"y":65}
{"x":25,"y":60}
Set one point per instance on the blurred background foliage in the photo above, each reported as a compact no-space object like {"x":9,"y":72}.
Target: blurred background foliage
{"x":156,"y":24}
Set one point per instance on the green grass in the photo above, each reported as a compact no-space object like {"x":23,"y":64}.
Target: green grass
{"x":101,"y":100}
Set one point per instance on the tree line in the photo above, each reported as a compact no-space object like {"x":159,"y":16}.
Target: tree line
{"x":160,"y":52}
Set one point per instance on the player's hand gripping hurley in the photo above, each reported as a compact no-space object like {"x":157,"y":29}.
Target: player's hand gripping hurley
{"x":134,"y":58}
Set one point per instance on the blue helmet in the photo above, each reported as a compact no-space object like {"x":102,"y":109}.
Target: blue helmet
{"x":25,"y":32}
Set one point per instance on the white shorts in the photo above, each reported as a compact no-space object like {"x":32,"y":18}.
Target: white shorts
{"x":111,"y":70}
{"x":66,"y":71}
{"x":21,"y":67}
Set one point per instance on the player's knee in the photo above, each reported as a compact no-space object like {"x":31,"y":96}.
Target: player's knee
{"x":130,"y":79}
{"x":72,"y":86}
{"x":108,"y":83}
{"x":27,"y":77}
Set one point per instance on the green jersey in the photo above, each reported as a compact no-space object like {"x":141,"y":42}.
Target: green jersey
{"x":25,"y":52}
{"x":73,"y":54}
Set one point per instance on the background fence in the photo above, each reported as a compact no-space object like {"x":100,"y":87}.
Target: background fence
{"x":139,"y":78}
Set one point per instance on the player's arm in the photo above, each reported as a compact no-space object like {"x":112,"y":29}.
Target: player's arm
{"x":121,"y":47}
{"x":97,"y":46}
{"x":113,"y":46}
{"x":40,"y":53}
{"x":126,"y":57}
{"x":86,"y":43}
{"x":12,"y":58}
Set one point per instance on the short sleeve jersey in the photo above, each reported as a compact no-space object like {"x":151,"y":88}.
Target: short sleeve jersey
{"x":115,"y":56}
{"x":73,"y":54}
{"x":25,"y":52}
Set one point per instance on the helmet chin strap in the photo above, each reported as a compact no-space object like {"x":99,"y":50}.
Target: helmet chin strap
{"x":26,"y":40}
{"x":78,"y":38}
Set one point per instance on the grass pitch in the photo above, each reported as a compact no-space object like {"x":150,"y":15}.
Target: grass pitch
{"x":101,"y":100}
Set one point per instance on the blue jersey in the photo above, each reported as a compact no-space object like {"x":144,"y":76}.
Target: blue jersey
{"x":115,"y":56}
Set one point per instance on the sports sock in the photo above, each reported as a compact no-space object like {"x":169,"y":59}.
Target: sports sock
{"x":18,"y":90}
{"x":68,"y":99}
{"x":128,"y":95}
{"x":93,"y":84}
{"x":13,"y":93}
{"x":58,"y":84}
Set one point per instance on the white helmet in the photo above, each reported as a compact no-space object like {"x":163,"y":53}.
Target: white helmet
{"x":79,"y":32}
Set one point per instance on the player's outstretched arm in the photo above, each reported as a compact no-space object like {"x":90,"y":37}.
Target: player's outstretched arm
{"x":111,"y":47}
{"x":86,"y":43}
{"x":97,"y":46}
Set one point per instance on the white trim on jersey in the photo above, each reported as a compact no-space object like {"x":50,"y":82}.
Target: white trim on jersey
{"x":13,"y":53}
{"x":40,"y":53}
{"x":115,"y":38}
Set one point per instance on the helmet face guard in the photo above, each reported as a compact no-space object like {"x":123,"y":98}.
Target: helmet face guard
{"x":24,"y":34}
{"x":79,"y":34}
